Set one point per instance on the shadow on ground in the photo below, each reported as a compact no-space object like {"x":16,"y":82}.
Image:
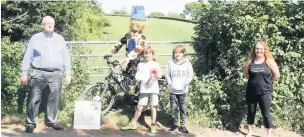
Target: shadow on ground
{"x":163,"y":117}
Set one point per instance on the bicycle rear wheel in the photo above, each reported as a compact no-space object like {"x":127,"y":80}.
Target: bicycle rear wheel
{"x":106,"y":96}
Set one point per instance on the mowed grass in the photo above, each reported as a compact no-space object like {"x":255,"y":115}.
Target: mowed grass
{"x":156,"y":30}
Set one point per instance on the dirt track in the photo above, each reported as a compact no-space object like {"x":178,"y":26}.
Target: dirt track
{"x":17,"y":130}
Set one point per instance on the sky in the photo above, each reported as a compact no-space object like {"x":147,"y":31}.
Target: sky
{"x":164,"y":6}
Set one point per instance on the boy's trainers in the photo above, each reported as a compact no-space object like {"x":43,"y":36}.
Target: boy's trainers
{"x":129,"y":127}
{"x":153,"y":129}
{"x":183,"y":129}
{"x":173,"y":128}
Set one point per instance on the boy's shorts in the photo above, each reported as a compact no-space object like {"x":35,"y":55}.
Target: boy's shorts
{"x":150,"y":99}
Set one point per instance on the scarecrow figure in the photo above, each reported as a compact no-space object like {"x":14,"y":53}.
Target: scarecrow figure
{"x":134,"y":40}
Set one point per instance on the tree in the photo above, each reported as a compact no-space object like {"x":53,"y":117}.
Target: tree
{"x":223,"y":38}
{"x":157,"y":14}
{"x":21,"y":19}
{"x":175,"y":15}
{"x":75,"y":20}
{"x":122,"y":11}
{"x":196,"y":9}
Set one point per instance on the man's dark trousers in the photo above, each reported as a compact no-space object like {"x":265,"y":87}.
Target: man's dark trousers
{"x":41,"y":80}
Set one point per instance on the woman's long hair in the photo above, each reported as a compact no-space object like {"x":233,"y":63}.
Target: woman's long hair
{"x":267,"y":53}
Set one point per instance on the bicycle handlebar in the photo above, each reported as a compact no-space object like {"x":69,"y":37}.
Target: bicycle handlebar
{"x":106,"y":57}
{"x":114,"y":63}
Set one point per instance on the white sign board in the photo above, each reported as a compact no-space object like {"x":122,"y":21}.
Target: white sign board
{"x":87,"y":115}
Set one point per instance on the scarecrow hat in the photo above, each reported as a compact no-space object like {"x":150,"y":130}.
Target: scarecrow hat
{"x":139,"y":13}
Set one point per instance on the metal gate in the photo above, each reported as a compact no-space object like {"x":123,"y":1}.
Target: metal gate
{"x":95,"y":50}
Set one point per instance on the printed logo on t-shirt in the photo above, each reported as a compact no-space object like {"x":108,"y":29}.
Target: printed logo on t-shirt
{"x":262,"y":69}
{"x":180,"y":73}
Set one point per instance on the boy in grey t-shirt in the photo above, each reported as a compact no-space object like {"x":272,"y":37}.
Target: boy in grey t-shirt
{"x":179,"y":73}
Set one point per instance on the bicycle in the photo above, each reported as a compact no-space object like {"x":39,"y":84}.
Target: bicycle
{"x":107,"y":90}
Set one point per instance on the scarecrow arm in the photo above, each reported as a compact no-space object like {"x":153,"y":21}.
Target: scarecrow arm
{"x":118,"y":45}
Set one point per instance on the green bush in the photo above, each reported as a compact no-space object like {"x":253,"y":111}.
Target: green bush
{"x":156,"y":14}
{"x":11,"y":58}
{"x":13,"y":94}
{"x":222,"y":41}
{"x":78,"y":84}
{"x":177,"y":19}
{"x":81,"y":20}
{"x":203,"y":101}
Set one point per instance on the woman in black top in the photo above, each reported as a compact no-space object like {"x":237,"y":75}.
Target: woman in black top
{"x":261,"y":70}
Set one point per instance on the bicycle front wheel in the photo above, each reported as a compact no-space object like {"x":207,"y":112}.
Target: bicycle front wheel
{"x":106,"y":96}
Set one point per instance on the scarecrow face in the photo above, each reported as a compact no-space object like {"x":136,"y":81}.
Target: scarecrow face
{"x":137,"y":25}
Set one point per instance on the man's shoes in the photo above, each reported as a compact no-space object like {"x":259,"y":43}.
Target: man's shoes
{"x":56,"y":126}
{"x":183,"y":129}
{"x":29,"y":129}
{"x":173,"y":128}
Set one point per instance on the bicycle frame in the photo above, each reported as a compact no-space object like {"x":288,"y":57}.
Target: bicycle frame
{"x":112,"y":74}
{"x":128,"y":79}
{"x":112,"y":65}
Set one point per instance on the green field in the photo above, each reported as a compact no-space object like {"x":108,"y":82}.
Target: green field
{"x":156,"y":30}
